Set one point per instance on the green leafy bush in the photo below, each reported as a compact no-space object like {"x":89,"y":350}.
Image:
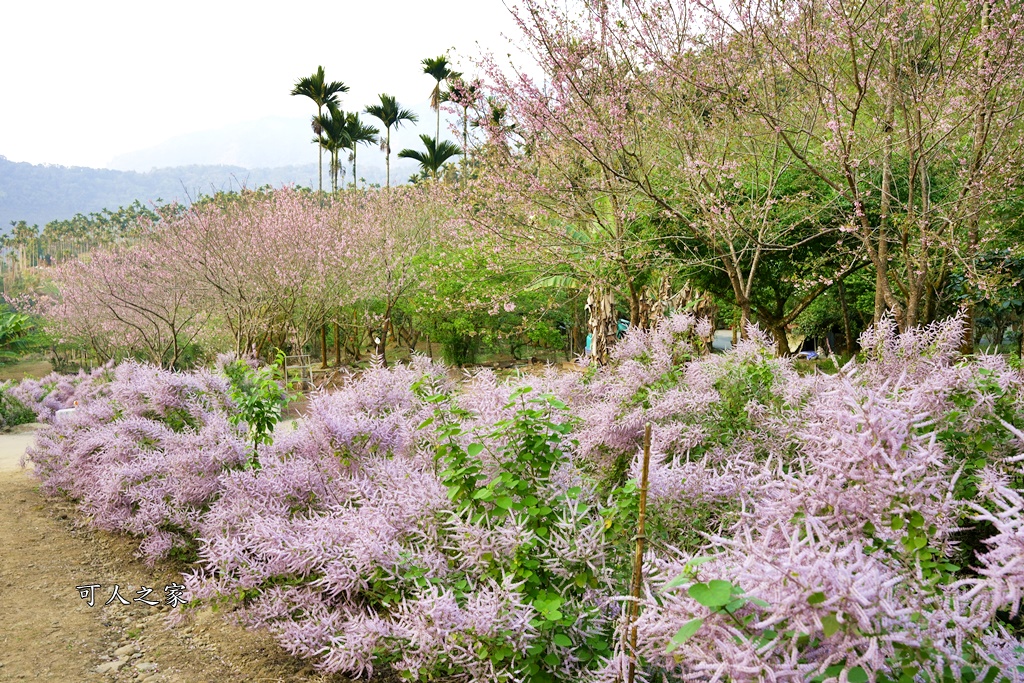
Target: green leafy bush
{"x":260,"y":396}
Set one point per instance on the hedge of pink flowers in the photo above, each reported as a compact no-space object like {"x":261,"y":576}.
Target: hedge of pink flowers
{"x":861,"y":525}
{"x":55,"y":391}
{"x":142,"y":452}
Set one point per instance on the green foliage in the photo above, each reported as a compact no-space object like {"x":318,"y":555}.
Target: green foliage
{"x":469,"y":306}
{"x":18,"y":336}
{"x":722,"y":598}
{"x":742,"y":383}
{"x":435,"y":156}
{"x":985,"y":443}
{"x":999,"y":305}
{"x":260,"y":397}
{"x":729,"y":601}
{"x":825,"y":314}
{"x":533,"y":449}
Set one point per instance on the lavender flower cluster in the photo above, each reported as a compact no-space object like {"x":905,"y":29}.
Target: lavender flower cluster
{"x":55,"y":391}
{"x":861,"y":525}
{"x":142,"y":451}
{"x":877,"y":523}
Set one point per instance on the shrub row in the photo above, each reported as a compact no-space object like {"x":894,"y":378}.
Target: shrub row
{"x":861,"y":525}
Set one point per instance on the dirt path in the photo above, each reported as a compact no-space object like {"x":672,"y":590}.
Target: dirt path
{"x":49,"y":633}
{"x":13,"y":445}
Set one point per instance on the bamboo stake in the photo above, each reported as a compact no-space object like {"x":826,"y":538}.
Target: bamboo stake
{"x":638,"y":561}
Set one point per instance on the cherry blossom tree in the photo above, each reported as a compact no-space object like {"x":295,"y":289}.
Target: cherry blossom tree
{"x":126,"y":302}
{"x":635,"y":171}
{"x":388,"y":230}
{"x":753,"y":130}
{"x":910,"y":114}
{"x":269,"y":265}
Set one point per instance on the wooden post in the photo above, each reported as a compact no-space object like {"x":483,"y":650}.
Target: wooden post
{"x":638,"y":560}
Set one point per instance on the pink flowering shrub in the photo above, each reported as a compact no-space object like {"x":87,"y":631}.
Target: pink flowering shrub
{"x":142,"y":455}
{"x":876,"y":524}
{"x":862,"y":525}
{"x":12,"y":411}
{"x":55,"y":391}
{"x":402,"y":524}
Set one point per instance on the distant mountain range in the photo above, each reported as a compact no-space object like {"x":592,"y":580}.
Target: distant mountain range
{"x":39,"y":194}
{"x":270,"y":142}
{"x":270,"y":151}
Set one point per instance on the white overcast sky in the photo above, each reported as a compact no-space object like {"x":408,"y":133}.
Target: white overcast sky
{"x":82,"y":81}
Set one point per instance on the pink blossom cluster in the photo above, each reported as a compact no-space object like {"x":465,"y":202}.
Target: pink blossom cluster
{"x":346,"y":545}
{"x":849,"y":514}
{"x":239,"y":271}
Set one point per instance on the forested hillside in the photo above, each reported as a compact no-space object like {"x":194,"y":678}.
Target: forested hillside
{"x":41,"y":193}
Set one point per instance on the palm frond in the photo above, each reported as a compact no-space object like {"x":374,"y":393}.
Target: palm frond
{"x":415,"y":156}
{"x":390,"y":113}
{"x":436,"y":67}
{"x":359,"y":132}
{"x":435,"y":156}
{"x":316,"y":88}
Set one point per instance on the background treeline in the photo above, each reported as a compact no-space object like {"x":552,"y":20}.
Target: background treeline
{"x":258,"y":271}
{"x":772,"y":164}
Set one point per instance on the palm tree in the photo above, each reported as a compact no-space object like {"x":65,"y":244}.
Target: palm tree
{"x":333,"y":137}
{"x":438,"y":69}
{"x":322,"y":93}
{"x":465,"y":95}
{"x":358,"y":132}
{"x":390,"y":114}
{"x":437,"y":154}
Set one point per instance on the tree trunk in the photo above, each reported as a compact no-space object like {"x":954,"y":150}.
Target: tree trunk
{"x":602,"y":324}
{"x":745,"y":316}
{"x":320,"y":161}
{"x":382,"y":345}
{"x":997,"y":336}
{"x":974,"y":205}
{"x":931,"y":302}
{"x":176,"y":351}
{"x":847,"y":335}
{"x":387,"y":157}
{"x":635,"y":312}
{"x":465,"y":143}
{"x":881,"y":271}
{"x":781,"y":340}
{"x":337,"y":344}
{"x":356,"y":355}
{"x":323,"y":346}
